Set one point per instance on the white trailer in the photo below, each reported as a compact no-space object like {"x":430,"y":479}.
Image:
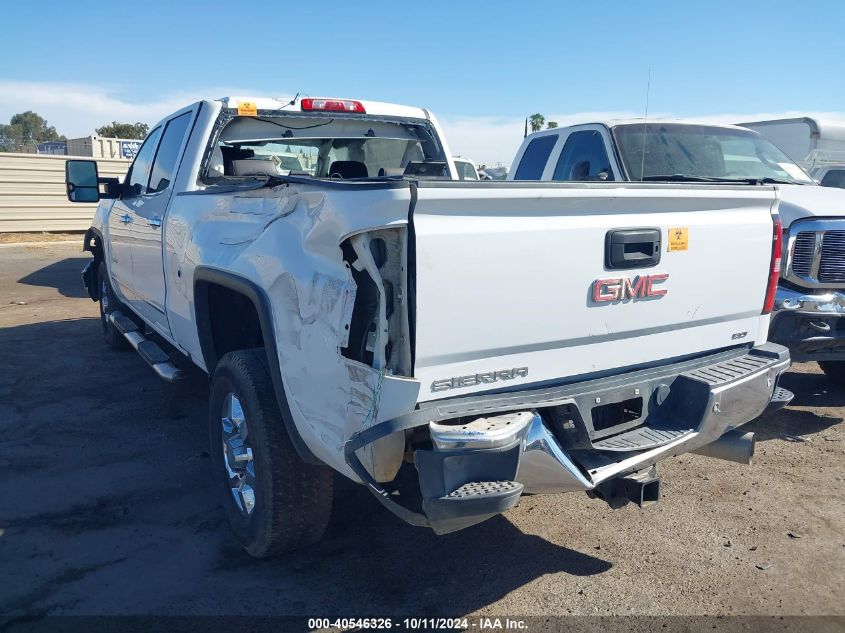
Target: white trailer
{"x":817,"y":145}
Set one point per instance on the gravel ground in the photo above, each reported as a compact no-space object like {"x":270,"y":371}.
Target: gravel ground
{"x":18,"y":238}
{"x":106,"y":505}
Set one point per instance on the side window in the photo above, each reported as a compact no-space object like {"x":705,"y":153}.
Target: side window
{"x":534,"y":159}
{"x":583,"y":158}
{"x":136,"y":179}
{"x":834,"y":178}
{"x":164,"y":164}
{"x":465,"y":170}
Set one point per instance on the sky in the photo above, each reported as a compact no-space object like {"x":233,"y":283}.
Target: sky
{"x":481,"y":67}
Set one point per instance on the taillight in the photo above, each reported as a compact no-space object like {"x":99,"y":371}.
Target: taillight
{"x":774,"y":268}
{"x":333,"y":105}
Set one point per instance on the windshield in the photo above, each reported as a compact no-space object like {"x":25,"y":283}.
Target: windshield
{"x":702,"y":151}
{"x":325,"y":149}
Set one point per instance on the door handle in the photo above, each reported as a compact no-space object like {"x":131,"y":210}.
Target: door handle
{"x":126,"y":218}
{"x":156,"y":222}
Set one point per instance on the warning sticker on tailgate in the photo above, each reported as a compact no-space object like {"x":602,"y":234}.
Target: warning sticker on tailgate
{"x":678,"y":238}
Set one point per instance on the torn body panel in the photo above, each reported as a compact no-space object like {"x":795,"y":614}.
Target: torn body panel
{"x":287,"y":240}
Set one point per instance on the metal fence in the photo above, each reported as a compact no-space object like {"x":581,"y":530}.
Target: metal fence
{"x":33,"y":197}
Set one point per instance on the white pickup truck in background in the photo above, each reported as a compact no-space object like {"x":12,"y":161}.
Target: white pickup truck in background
{"x":452,"y":345}
{"x":465,"y":168}
{"x":809,"y":312}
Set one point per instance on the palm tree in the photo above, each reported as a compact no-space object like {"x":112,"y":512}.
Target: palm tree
{"x":551,"y":125}
{"x":536,"y":121}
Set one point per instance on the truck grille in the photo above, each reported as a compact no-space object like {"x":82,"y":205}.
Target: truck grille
{"x":832,"y":264}
{"x":802,"y":254}
{"x":818,"y":253}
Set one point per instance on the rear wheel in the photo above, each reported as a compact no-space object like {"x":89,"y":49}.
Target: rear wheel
{"x":835,"y":370}
{"x":274,"y":501}
{"x":108,"y":304}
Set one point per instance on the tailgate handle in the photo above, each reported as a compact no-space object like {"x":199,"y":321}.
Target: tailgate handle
{"x":632,"y":248}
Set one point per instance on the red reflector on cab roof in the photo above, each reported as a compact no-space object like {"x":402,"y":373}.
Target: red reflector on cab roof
{"x":333,"y":105}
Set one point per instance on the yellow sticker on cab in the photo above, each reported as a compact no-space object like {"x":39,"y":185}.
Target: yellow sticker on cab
{"x":247,"y":108}
{"x":678,"y":238}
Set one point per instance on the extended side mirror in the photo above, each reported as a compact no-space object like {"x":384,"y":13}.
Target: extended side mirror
{"x":83,"y":182}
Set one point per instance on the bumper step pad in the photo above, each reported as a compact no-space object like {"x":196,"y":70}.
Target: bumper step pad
{"x":780,"y":399}
{"x":730,"y":370}
{"x":483,"y":489}
{"x":639,"y":439}
{"x":471,"y":503}
{"x":782,"y":395}
{"x":152,"y":354}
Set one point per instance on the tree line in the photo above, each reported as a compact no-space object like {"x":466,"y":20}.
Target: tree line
{"x":26,"y":130}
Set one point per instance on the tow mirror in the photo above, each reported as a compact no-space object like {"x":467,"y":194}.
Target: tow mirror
{"x":83,"y":182}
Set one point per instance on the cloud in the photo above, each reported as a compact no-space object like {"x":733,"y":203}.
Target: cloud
{"x":76,"y":109}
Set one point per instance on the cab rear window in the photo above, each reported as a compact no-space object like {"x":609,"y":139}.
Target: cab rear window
{"x":535,"y":157}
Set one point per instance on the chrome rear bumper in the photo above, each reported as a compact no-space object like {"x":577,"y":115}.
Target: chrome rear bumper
{"x":731,"y":401}
{"x":485,"y":451}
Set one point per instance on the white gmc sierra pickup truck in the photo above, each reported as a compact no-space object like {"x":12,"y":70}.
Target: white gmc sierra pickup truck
{"x":452,"y":345}
{"x":809,"y":310}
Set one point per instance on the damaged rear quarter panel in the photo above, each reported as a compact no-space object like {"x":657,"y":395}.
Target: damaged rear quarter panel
{"x":286,"y":240}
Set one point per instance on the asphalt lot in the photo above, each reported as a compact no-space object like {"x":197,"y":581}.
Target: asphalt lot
{"x":106,"y":505}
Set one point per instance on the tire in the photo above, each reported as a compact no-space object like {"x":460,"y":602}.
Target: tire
{"x":274,"y":501}
{"x":108,"y":303}
{"x":835,"y":370}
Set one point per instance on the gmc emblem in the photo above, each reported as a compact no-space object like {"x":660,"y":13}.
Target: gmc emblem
{"x":622,"y":288}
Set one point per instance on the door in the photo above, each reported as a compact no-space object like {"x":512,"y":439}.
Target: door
{"x":148,"y":223}
{"x":122,"y":217}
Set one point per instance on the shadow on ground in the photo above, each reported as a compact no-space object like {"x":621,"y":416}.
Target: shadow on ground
{"x":793,"y":424}
{"x":65,"y":276}
{"x":110,"y":471}
{"x":813,"y":390}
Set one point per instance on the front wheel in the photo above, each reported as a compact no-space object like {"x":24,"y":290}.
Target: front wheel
{"x":835,"y":370}
{"x":274,"y":501}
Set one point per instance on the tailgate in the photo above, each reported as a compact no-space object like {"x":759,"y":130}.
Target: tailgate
{"x":506,"y":278}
